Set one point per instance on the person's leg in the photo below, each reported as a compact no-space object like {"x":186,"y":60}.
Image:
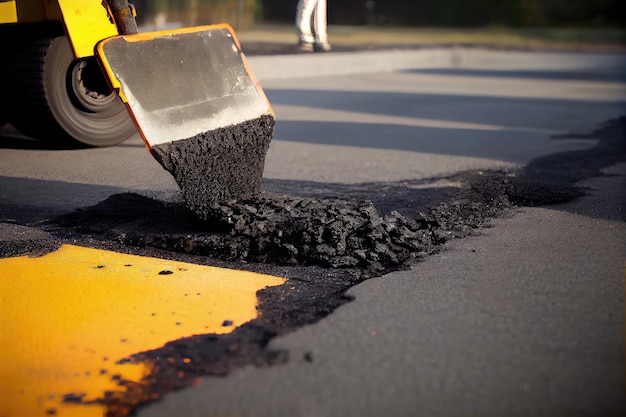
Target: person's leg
{"x":304,"y":15}
{"x":319,"y":25}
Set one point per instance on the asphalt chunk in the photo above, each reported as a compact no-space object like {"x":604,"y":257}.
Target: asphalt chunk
{"x":73,"y":397}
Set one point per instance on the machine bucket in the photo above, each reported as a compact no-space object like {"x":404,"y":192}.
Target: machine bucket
{"x":197,"y":106}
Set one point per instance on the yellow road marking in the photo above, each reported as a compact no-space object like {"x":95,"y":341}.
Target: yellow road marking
{"x":69,"y":316}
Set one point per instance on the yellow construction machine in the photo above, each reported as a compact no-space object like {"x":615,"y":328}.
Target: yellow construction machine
{"x":79,"y":71}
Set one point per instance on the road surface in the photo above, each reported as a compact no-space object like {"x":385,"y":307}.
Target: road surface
{"x":526,"y":318}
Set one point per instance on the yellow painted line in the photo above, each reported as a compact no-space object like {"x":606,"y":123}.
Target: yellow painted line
{"x":69,"y":316}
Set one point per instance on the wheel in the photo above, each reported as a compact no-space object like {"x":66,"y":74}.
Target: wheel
{"x":61,"y":99}
{"x":3,"y":113}
{"x":5,"y":98}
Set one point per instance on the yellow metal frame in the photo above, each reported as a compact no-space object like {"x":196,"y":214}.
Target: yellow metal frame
{"x":8,"y":12}
{"x":86,"y":22}
{"x":29,"y":11}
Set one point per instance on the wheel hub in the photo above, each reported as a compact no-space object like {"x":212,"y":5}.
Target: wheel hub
{"x":88,"y":86}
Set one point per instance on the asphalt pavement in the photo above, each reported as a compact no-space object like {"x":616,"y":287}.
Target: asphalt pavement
{"x":525,"y":319}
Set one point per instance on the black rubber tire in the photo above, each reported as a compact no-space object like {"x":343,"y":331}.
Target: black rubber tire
{"x":4,"y":117}
{"x":5,"y":98}
{"x":51,"y":103}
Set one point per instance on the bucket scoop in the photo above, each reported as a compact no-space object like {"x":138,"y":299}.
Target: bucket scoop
{"x":197,"y":106}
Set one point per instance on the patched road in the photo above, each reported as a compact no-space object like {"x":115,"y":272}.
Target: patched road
{"x":372,"y":179}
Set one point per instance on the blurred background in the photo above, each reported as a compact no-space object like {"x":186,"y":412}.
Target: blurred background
{"x":245,"y":14}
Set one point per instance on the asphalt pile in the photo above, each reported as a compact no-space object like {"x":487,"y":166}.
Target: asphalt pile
{"x":276,"y":229}
{"x":325,"y":232}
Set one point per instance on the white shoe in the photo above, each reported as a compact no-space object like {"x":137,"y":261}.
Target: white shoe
{"x":305,"y":46}
{"x":321,"y":47}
